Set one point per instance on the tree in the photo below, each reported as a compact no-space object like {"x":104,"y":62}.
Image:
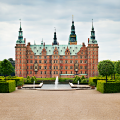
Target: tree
{"x":118,"y":67}
{"x":13,"y":64}
{"x":6,"y":68}
{"x":106,"y":67}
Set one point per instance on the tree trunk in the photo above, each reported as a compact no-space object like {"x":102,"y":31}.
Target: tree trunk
{"x":106,"y":78}
{"x":114,"y":76}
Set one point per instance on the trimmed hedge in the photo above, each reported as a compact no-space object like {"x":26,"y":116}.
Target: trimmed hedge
{"x":7,"y":87}
{"x":109,"y":87}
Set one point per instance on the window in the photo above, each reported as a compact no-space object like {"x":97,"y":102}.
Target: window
{"x":71,"y":57}
{"x":39,"y":61}
{"x":76,"y":56}
{"x":80,"y":61}
{"x":30,"y":67}
{"x":70,"y":61}
{"x":44,"y":57}
{"x":93,"y":48}
{"x":93,"y":67}
{"x":71,"y":67}
{"x":93,"y":52}
{"x":71,"y":72}
{"x":49,"y":50}
{"x":76,"y":61}
{"x":20,"y":72}
{"x":39,"y":67}
{"x":45,"y":67}
{"x":61,"y":67}
{"x":56,"y":72}
{"x":20,"y":67}
{"x":41,"y":72}
{"x":20,"y":52}
{"x":85,"y":72}
{"x":20,"y":56}
{"x":35,"y":72}
{"x":61,"y":72}
{"x":85,"y":67}
{"x":66,"y":57}
{"x":85,"y":61}
{"x":40,"y":47}
{"x":56,"y":56}
{"x":50,"y":67}
{"x":73,"y":50}
{"x":50,"y":72}
{"x":65,"y":61}
{"x":30,"y":61}
{"x":80,"y":56}
{"x":34,"y":47}
{"x":35,"y":57}
{"x":93,"y":72}
{"x":27,"y":67}
{"x":20,"y":61}
{"x":56,"y":61}
{"x":81,"y":52}
{"x":27,"y":72}
{"x":45,"y":72}
{"x":93,"y":56}
{"x":56,"y":67}
{"x":50,"y":61}
{"x":93,"y":61}
{"x":35,"y":61}
{"x":81,"y":72}
{"x":30,"y":72}
{"x":89,"y":52}
{"x":31,"y":57}
{"x":66,"y":72}
{"x":39,"y":57}
{"x":66,"y":67}
{"x":85,"y":56}
{"x":45,"y":61}
{"x":81,"y":67}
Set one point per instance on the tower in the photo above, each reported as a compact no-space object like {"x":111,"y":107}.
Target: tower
{"x":55,"y":39}
{"x":92,"y":54}
{"x":20,"y":55}
{"x":73,"y":36}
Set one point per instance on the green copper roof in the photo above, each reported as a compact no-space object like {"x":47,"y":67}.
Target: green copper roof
{"x":37,"y":49}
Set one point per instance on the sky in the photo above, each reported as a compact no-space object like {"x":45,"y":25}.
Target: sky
{"x":39,"y":17}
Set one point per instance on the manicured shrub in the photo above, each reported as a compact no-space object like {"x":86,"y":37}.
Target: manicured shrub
{"x":7,"y":87}
{"x":109,"y":87}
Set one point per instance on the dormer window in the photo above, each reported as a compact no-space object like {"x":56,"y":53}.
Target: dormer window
{"x":40,"y":47}
{"x":49,"y":50}
{"x":34,"y":47}
{"x":73,"y":50}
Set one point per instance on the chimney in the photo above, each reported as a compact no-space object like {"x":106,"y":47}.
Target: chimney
{"x":88,"y":40}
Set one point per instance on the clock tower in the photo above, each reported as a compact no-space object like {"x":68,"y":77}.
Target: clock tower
{"x":73,"y":36}
{"x":92,"y":54}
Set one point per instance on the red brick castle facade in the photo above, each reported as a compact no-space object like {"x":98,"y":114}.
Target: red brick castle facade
{"x":45,"y":61}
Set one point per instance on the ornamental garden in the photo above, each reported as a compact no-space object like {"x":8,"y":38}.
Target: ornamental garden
{"x":108,"y":80}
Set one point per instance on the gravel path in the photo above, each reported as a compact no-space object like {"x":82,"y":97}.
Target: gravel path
{"x":59,"y":105}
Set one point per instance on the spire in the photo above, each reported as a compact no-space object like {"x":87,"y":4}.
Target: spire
{"x":72,"y":18}
{"x":92,"y":25}
{"x":20,"y":25}
{"x":55,"y":37}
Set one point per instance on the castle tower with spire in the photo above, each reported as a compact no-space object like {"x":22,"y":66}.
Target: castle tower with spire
{"x":73,"y":36}
{"x":92,"y":54}
{"x":20,"y":55}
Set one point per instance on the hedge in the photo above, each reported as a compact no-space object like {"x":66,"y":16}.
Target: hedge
{"x":109,"y":87}
{"x":7,"y":87}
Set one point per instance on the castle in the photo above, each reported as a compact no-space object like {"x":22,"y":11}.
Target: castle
{"x":48,"y":61}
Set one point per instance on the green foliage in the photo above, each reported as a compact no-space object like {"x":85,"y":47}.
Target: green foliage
{"x":7,"y":87}
{"x":76,"y":79}
{"x":33,"y":79}
{"x":19,"y":83}
{"x":92,"y":84}
{"x":118,"y":67}
{"x":84,"y":81}
{"x":28,"y":78}
{"x":105,"y":68}
{"x":109,"y":87}
{"x":82,"y":77}
{"x":6,"y":68}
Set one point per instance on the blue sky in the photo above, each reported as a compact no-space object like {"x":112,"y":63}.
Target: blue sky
{"x":39,"y":17}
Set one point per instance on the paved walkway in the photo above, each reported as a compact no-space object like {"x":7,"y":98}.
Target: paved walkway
{"x":59,"y":105}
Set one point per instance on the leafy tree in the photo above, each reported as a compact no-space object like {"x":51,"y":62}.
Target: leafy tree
{"x":77,"y":78}
{"x":32,"y":79}
{"x":118,"y":67}
{"x":28,"y":78}
{"x":6,"y":68}
{"x":13,"y":64}
{"x":83,"y":77}
{"x":106,"y":67}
